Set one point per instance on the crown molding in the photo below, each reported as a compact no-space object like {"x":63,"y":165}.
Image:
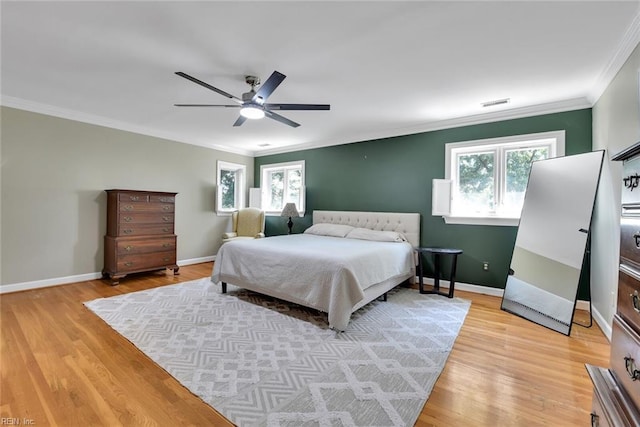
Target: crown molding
{"x":515,"y":113}
{"x":534,"y":110}
{"x":629,"y":42}
{"x":64,"y":113}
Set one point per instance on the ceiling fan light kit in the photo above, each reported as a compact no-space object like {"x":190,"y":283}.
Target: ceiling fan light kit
{"x":252,"y":104}
{"x":252,"y":112}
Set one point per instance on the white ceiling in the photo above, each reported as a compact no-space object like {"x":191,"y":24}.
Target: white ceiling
{"x":387,"y":68}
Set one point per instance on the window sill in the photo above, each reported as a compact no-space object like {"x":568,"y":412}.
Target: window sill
{"x":478,"y":220}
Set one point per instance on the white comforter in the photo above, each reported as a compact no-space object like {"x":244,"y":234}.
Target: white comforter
{"x":326,"y":273}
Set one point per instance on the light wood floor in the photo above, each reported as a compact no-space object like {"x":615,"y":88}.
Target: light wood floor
{"x":63,"y":366}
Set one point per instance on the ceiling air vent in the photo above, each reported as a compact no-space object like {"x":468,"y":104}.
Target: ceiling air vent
{"x":495,"y":102}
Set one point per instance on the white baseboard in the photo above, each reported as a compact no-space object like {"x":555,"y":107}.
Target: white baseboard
{"x":605,"y":327}
{"x":444,"y":284}
{"x":496,"y":292}
{"x":460,"y":286}
{"x":58,"y":281}
{"x":196,"y":260}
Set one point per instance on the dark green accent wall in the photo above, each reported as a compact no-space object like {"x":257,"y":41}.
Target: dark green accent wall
{"x":395,"y":174}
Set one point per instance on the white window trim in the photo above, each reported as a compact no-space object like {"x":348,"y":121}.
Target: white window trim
{"x":301,"y":163}
{"x":241,"y":171}
{"x":496,"y":220}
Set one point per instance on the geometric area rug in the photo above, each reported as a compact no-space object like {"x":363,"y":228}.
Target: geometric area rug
{"x":260,"y":361}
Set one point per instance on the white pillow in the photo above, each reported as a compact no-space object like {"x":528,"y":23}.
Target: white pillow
{"x":333,"y":230}
{"x":377,"y":235}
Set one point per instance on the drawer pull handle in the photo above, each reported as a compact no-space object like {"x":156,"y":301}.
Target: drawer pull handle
{"x":629,"y":365}
{"x":166,"y":218}
{"x":635,"y":301}
{"x":166,"y":199}
{"x":166,"y":230}
{"x":127,"y":208}
{"x":127,"y":231}
{"x":631,"y":181}
{"x":134,"y":198}
{"x":128,"y":218}
{"x":166,"y":259}
{"x":128,"y":248}
{"x":165,"y":245}
{"x":166,"y":208}
{"x":595,"y":420}
{"x":128,"y":264}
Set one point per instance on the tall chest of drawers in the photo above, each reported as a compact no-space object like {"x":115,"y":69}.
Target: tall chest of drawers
{"x":140,"y":233}
{"x":616,"y":396}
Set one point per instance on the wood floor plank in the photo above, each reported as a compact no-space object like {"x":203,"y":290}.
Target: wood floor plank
{"x":61,"y":365}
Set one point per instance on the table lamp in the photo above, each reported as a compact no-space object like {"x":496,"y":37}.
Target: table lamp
{"x":290,"y":210}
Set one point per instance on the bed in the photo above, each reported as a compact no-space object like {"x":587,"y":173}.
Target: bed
{"x":343,"y":261}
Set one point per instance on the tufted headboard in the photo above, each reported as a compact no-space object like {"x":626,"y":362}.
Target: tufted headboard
{"x":405,"y":223}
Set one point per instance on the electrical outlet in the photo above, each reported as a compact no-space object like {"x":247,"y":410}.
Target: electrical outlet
{"x":485,"y":266}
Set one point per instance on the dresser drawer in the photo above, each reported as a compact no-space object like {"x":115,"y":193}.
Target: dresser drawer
{"x":133,"y":197}
{"x":145,"y":207}
{"x":144,"y":229}
{"x":629,"y":297}
{"x":145,"y":218}
{"x":625,"y":358}
{"x":630,"y":241}
{"x":631,"y":181}
{"x":160,"y":198}
{"x":127,"y":246}
{"x":599,"y":417}
{"x":610,"y":406}
{"x":141,"y":262}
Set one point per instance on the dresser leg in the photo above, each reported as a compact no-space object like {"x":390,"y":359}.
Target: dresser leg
{"x":115,"y":279}
{"x":175,"y":271}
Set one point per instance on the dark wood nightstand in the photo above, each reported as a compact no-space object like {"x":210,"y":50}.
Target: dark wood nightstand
{"x":437,"y":253}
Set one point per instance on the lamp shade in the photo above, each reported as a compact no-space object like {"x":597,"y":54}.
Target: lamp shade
{"x":290,"y":210}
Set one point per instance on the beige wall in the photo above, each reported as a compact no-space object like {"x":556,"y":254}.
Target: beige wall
{"x":53,"y":207}
{"x":616,"y":125}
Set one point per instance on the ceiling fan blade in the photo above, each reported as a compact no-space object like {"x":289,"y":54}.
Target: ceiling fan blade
{"x":240,"y":121}
{"x":298,"y":106}
{"x":281,"y":119}
{"x":268,"y":87}
{"x":208,"y":86}
{"x":207,"y":105}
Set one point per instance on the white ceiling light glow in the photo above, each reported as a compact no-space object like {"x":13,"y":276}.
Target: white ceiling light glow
{"x":252,"y":112}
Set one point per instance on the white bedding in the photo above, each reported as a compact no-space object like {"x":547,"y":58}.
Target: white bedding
{"x":326,"y":273}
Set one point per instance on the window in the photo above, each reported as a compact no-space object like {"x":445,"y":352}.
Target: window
{"x":230,"y":187}
{"x":489,"y":177}
{"x":282,"y":183}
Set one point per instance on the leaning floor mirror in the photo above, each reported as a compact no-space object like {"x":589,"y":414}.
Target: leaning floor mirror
{"x":542,"y":285}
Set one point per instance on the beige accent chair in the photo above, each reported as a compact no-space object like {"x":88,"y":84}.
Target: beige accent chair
{"x":246,"y":223}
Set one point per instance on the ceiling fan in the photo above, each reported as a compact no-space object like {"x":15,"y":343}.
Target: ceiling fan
{"x":252,"y":104}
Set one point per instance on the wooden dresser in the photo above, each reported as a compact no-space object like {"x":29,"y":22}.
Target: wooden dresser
{"x":140,"y":233}
{"x":616,"y":391}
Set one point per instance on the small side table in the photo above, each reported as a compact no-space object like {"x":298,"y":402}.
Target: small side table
{"x":437,"y":253}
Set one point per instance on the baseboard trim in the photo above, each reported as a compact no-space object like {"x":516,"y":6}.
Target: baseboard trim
{"x":197,"y":260}
{"x":461,"y":286}
{"x":59,"y":281}
{"x":496,"y":292}
{"x":486,"y":290}
{"x":605,"y":327}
